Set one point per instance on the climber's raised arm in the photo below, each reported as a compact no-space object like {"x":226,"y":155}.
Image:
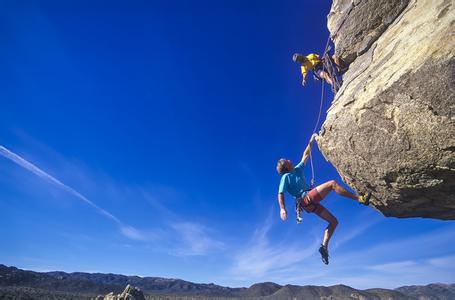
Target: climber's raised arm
{"x":307,"y":151}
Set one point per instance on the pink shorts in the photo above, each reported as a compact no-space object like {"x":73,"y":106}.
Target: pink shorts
{"x":312,"y":204}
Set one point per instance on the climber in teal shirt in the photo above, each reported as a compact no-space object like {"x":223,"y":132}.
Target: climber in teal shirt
{"x":293,"y":181}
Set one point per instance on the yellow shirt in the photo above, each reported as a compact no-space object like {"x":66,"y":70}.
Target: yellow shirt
{"x":310,"y":62}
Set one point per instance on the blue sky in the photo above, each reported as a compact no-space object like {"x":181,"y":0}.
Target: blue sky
{"x":141,"y":138}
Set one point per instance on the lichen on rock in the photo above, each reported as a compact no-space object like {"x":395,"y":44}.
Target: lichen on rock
{"x":391,"y":127}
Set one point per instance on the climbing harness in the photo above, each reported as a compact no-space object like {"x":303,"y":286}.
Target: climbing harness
{"x":327,"y":65}
{"x":330,"y":68}
{"x":299,"y":207}
{"x":304,"y":203}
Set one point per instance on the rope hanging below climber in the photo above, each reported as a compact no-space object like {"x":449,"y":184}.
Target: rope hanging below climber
{"x":325,"y":69}
{"x":308,"y":197}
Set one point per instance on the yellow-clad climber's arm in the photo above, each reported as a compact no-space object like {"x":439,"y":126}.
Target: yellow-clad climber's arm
{"x":304,"y":74}
{"x":304,"y":80}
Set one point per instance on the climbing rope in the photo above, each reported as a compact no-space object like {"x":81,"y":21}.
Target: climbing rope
{"x":313,"y":179}
{"x":327,"y":65}
{"x":327,"y":48}
{"x":316,"y":125}
{"x":327,"y":61}
{"x":320,"y":107}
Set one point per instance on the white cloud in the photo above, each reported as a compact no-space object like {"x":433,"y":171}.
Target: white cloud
{"x":389,"y":264}
{"x":361,"y":224}
{"x":400,"y":273}
{"x":396,"y":263}
{"x":262,"y":259}
{"x":191,"y":238}
{"x":126,"y":230}
{"x":394,"y":266}
{"x":132,"y":233}
{"x":447,"y":262}
{"x":402,"y":249}
{"x":196,"y":239}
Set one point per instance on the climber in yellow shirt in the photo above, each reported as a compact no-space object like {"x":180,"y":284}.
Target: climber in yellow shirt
{"x":313,"y":62}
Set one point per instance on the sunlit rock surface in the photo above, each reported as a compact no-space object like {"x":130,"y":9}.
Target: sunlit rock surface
{"x":130,"y":293}
{"x":391,"y":127}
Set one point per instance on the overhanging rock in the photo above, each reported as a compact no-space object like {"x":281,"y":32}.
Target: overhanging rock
{"x":391,"y":127}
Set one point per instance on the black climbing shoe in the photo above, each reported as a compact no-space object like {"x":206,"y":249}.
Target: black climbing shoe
{"x":324,"y":254}
{"x":365,"y":199}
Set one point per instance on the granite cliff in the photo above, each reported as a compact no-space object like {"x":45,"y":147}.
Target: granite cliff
{"x":391,"y":126}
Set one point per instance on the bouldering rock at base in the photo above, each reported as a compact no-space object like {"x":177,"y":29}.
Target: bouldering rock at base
{"x":130,"y":293}
{"x":391,"y":127}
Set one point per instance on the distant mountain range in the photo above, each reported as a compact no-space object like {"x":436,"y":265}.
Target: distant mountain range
{"x":21,"y":284}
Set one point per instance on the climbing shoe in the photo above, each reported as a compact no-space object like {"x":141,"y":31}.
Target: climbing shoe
{"x":365,"y":199}
{"x":324,"y":254}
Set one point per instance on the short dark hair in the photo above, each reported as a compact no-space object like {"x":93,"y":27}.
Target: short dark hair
{"x":297,"y":57}
{"x":280,"y":167}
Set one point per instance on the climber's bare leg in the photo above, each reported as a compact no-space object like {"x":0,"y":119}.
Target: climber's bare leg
{"x":339,"y":64}
{"x":338,"y":61}
{"x":324,"y":75}
{"x":328,"y":232}
{"x":325,"y":188}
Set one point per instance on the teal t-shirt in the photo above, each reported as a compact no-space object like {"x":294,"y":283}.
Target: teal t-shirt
{"x":294,"y":183}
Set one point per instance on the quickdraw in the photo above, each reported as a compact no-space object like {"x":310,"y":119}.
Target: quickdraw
{"x":304,"y":203}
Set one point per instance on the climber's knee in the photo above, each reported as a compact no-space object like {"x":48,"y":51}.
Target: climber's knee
{"x":334,"y":223}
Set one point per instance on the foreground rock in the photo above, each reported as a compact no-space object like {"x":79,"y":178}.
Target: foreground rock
{"x":130,"y":293}
{"x":391,"y":127}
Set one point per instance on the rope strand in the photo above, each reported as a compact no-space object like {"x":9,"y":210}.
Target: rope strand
{"x":324,"y":67}
{"x":313,"y":180}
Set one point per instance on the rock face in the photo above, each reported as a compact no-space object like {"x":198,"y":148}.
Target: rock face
{"x":355,"y":25}
{"x":391,"y":127}
{"x":130,"y":293}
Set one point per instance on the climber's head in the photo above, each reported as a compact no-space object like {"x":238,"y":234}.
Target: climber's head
{"x":284,"y":166}
{"x":297,"y":57}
